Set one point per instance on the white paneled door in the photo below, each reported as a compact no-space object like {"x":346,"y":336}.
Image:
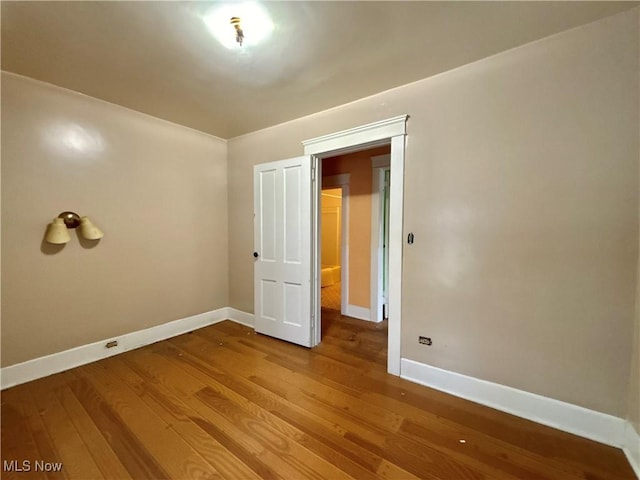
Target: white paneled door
{"x":283,"y":249}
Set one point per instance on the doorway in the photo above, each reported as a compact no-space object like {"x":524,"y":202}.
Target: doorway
{"x":390,"y":131}
{"x":352,"y":190}
{"x":358,"y":177}
{"x":331,"y":239}
{"x":287,"y":235}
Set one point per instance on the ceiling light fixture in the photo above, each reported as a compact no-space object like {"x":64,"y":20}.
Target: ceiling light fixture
{"x":255,"y":28}
{"x":235,"y":21}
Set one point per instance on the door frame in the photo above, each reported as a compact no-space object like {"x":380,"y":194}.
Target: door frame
{"x":379,"y":164}
{"x":391,"y":131}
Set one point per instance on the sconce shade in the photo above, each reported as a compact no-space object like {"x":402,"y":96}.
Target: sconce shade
{"x":88,"y":230}
{"x":57,"y":232}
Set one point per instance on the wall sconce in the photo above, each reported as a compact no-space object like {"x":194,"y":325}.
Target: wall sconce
{"x":58,"y":233}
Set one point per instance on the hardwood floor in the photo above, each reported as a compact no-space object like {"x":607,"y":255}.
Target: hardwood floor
{"x":223,"y":402}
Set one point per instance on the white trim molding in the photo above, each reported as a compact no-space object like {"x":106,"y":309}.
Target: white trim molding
{"x":396,"y":243}
{"x":631,"y":447}
{"x":547,"y":411}
{"x":361,"y":313}
{"x":365,"y":136}
{"x":240,"y":317}
{"x":67,"y":359}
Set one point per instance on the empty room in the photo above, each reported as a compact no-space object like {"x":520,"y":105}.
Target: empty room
{"x":316,"y":239}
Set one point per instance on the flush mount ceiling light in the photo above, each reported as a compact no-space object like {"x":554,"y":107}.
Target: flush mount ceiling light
{"x":235,"y":21}
{"x":223,"y":21}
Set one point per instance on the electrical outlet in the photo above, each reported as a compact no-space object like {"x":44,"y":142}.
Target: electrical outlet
{"x":424,"y":340}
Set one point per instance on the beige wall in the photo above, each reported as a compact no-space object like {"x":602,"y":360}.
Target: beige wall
{"x":358,"y":165}
{"x":159,"y":192}
{"x":521,"y":189}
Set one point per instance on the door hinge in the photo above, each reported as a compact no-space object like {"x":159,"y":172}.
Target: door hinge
{"x":313,"y":173}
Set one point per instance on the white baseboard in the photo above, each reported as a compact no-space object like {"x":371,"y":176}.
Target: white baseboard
{"x":58,"y":362}
{"x":631,"y":447}
{"x":547,"y":411}
{"x":360,"y":313}
{"x":241,"y":317}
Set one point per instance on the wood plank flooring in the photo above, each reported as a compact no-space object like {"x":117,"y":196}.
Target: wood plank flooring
{"x":224,"y":402}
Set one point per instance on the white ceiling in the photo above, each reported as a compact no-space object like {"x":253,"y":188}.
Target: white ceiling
{"x":159,"y":58}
